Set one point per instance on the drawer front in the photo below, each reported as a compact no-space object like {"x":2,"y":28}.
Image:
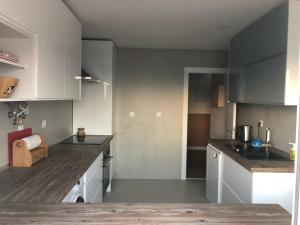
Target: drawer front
{"x":238,"y":179}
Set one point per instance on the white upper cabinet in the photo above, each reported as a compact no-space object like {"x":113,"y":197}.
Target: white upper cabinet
{"x":264,"y":59}
{"x":55,"y":49}
{"x":22,"y":12}
{"x":72,"y":57}
{"x":51,"y":49}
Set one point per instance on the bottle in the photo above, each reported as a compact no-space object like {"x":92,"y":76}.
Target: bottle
{"x":293,"y":151}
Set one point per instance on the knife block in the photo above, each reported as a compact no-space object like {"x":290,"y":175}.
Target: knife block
{"x":23,"y":157}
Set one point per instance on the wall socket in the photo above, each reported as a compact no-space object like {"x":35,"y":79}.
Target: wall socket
{"x":131,"y":114}
{"x":44,"y":123}
{"x":260,"y":123}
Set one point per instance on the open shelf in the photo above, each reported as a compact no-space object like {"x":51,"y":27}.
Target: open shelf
{"x":10,"y":63}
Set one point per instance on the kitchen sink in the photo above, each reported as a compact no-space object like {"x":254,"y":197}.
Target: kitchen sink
{"x":258,"y":153}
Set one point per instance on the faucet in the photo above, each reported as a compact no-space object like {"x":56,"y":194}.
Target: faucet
{"x":19,"y":112}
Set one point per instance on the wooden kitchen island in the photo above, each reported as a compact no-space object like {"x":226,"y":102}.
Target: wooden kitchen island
{"x":133,"y":214}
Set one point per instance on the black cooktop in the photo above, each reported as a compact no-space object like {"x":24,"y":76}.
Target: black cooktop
{"x":87,"y":140}
{"x":261,"y":153}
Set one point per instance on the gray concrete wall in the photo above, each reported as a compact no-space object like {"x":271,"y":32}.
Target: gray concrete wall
{"x":59,"y":123}
{"x":280,"y":119}
{"x":150,"y":81}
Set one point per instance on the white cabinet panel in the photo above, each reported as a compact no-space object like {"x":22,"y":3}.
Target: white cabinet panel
{"x":93,"y":181}
{"x":228,"y":196}
{"x":72,"y":56}
{"x":213,"y":175}
{"x":54,"y":59}
{"x":51,"y":49}
{"x":22,"y":12}
{"x":97,"y":59}
{"x":276,"y":188}
{"x":238,"y":178}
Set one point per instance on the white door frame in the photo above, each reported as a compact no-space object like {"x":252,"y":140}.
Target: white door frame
{"x":187,"y":72}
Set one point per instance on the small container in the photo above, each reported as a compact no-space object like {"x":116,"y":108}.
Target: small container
{"x":268,"y":136}
{"x":293,"y":151}
{"x":7,"y":86}
{"x":81,"y":132}
{"x":256,"y":142}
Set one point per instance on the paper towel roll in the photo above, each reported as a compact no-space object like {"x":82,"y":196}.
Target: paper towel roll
{"x":32,"y":142}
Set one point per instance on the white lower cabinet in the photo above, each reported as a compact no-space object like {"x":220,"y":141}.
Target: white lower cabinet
{"x":239,"y":185}
{"x":213,"y":174}
{"x":89,"y":186}
{"x":93,"y":181}
{"x":228,"y":196}
{"x":237,"y":179}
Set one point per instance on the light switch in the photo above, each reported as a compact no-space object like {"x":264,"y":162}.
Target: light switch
{"x":131,"y":114}
{"x":158,"y":114}
{"x":44,"y":123}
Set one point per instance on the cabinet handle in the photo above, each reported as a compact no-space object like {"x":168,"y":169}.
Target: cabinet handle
{"x":215,"y":155}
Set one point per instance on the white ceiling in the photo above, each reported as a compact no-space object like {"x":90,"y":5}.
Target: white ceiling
{"x":175,"y":24}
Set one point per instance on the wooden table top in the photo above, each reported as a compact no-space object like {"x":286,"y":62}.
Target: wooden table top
{"x":134,"y":214}
{"x":51,"y":179}
{"x":273,"y":166}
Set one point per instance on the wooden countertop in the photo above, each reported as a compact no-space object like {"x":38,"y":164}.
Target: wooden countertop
{"x":131,"y":214}
{"x":273,"y":166}
{"x":51,"y":179}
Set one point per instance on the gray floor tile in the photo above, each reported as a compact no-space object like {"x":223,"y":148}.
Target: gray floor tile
{"x":157,"y":191}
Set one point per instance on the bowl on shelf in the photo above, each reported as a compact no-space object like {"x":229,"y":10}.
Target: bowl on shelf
{"x":7,"y":86}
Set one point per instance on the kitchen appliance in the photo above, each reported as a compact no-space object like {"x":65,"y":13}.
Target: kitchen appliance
{"x":85,"y":76}
{"x":262,"y":153}
{"x":106,"y":168}
{"x":213,"y":174}
{"x":76,"y":194}
{"x":256,"y":142}
{"x":244,"y":133}
{"x":88,"y":140}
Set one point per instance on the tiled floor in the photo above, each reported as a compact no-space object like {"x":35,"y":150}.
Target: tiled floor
{"x":157,"y":191}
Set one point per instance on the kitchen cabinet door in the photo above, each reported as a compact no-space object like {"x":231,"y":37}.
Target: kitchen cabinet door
{"x":265,"y":81}
{"x":213,"y":175}
{"x":228,"y":196}
{"x":262,"y":39}
{"x":72,"y":56}
{"x":23,"y":13}
{"x":93,"y":180}
{"x":51,"y":50}
{"x":238,"y":179}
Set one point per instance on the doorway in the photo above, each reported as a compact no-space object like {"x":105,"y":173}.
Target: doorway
{"x":214,"y":122}
{"x":199,"y":104}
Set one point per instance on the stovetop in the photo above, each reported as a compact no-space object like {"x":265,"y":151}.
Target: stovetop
{"x":87,"y":140}
{"x":262,"y":153}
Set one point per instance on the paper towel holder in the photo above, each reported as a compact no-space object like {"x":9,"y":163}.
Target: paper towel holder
{"x":23,"y":157}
